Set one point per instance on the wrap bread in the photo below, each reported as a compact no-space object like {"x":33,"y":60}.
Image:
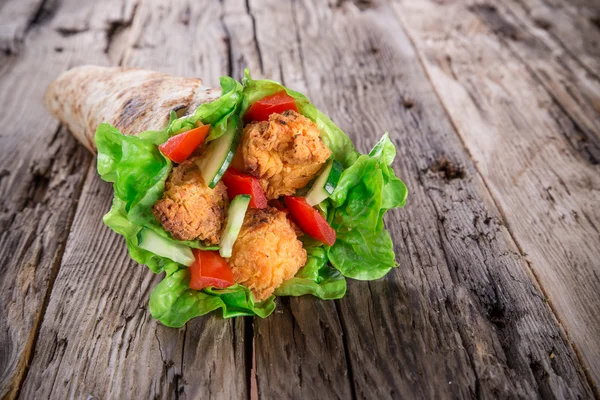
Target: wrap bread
{"x":130,"y":99}
{"x":238,"y":194}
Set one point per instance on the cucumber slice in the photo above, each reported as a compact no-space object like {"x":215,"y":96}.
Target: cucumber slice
{"x":154,"y":243}
{"x":218,"y":155}
{"x":325,"y":183}
{"x":235,"y":219}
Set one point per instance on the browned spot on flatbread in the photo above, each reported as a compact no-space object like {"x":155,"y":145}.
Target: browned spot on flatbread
{"x":135,"y":107}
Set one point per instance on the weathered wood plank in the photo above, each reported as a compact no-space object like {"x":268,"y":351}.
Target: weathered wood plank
{"x":574,"y":24}
{"x":546,"y":189}
{"x":304,"y":334}
{"x":462,"y":309}
{"x":16,"y":16}
{"x":42,"y":172}
{"x":571,"y":86}
{"x":98,"y":339}
{"x":462,"y":316}
{"x":206,"y":359}
{"x":39,"y":192}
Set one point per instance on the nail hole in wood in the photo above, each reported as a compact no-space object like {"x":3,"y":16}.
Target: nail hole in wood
{"x":542,"y":23}
{"x":447,"y":169}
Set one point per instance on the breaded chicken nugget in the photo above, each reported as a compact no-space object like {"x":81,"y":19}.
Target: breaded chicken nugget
{"x":189,"y":209}
{"x":285,"y":153}
{"x":267,"y":252}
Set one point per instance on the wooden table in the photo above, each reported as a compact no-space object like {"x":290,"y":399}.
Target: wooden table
{"x":495,"y":109}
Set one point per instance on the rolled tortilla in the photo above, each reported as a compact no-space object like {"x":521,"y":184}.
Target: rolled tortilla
{"x":132,"y":100}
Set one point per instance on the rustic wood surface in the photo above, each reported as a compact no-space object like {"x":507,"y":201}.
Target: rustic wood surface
{"x":495,"y":110}
{"x":518,"y":82}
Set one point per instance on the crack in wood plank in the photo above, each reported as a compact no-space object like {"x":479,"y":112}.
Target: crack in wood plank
{"x":414,"y":30}
{"x":346,"y":352}
{"x":256,"y":41}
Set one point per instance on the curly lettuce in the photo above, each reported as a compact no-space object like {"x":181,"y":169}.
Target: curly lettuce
{"x":173,"y":303}
{"x":366,"y":190}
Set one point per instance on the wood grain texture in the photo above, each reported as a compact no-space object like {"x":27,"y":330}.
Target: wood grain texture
{"x":574,"y":25}
{"x":461,"y":316}
{"x":42,"y":171}
{"x":16,"y":17}
{"x":546,"y":188}
{"x":97,"y":338}
{"x":139,"y":357}
{"x":573,"y":89}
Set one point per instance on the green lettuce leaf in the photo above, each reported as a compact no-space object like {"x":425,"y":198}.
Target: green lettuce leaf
{"x":138,"y":172}
{"x":173,"y":303}
{"x":366,"y":190}
{"x":317,"y":277}
{"x":137,"y":169}
{"x":216,"y":113}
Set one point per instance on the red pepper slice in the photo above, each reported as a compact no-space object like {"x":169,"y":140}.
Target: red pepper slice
{"x":310,"y":221}
{"x":210,"y":269}
{"x":179,"y":147}
{"x":276,"y":103}
{"x":239,"y":183}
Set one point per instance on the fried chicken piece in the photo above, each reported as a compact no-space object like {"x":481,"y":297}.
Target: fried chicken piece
{"x":267,"y":252}
{"x":285,"y":153}
{"x":189,"y":209}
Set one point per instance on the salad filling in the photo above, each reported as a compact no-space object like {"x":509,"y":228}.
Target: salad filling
{"x":256,"y":194}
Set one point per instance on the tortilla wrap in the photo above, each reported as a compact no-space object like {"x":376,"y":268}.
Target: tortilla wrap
{"x":132,"y":100}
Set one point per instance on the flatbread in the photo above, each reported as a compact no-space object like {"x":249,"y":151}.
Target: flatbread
{"x":133,"y":100}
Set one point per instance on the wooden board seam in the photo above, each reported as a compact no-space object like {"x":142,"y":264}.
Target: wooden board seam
{"x":346,"y":351}
{"x":566,"y":48}
{"x":502,"y":213}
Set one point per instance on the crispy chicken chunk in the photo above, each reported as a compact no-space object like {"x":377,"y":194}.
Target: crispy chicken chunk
{"x":267,"y":252}
{"x":285,"y":153}
{"x":189,"y":209}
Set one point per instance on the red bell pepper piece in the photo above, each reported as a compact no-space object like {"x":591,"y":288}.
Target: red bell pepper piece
{"x":310,"y":221}
{"x":239,"y":183}
{"x":210,"y":269}
{"x":179,"y":147}
{"x":275,"y":103}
